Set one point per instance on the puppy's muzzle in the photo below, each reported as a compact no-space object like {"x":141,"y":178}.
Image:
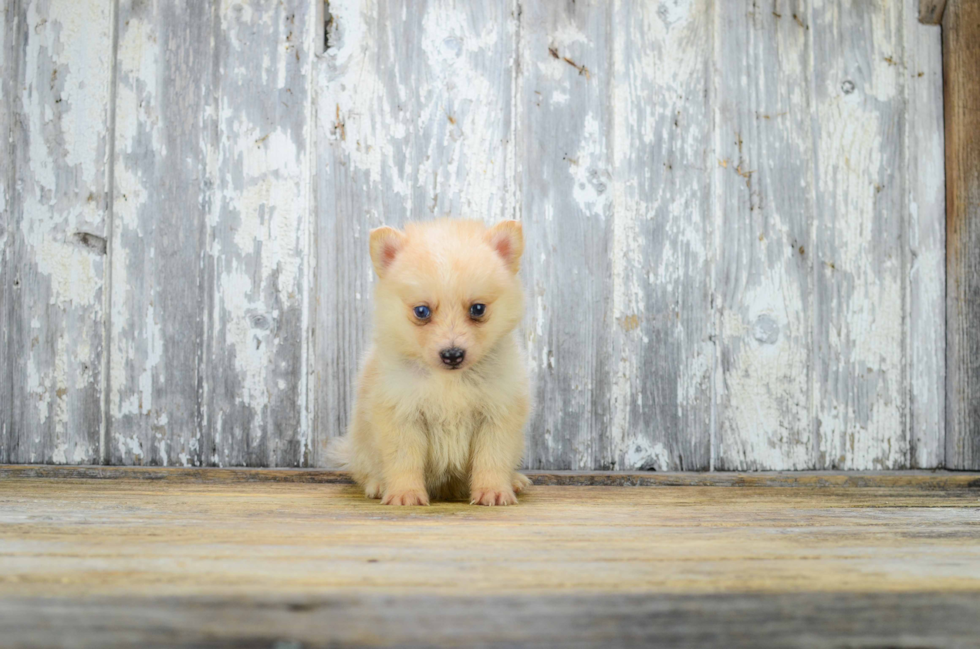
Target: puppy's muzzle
{"x":452,"y":357}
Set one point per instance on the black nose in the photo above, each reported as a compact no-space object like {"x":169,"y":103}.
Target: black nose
{"x":452,"y":357}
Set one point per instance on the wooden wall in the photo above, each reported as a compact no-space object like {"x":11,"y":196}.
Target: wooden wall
{"x":734,"y":215}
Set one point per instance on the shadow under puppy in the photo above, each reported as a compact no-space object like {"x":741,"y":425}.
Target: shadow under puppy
{"x":443,"y":396}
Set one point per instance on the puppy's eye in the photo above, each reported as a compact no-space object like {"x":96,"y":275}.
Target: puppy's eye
{"x":477,"y":310}
{"x":422,"y":312}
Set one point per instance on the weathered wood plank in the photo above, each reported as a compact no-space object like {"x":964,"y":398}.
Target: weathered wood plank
{"x":905,"y":479}
{"x":8,"y":82}
{"x":58,"y":88}
{"x":565,"y":176}
{"x":165,"y":92}
{"x":961,"y":75}
{"x":749,"y":620}
{"x":138,"y":539}
{"x":657,"y":328}
{"x":764,"y":204}
{"x":259,"y":221}
{"x":413,"y":110}
{"x":926,"y":301}
{"x":858,"y":234}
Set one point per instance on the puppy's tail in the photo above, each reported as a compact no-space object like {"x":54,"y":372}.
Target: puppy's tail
{"x":339,"y":452}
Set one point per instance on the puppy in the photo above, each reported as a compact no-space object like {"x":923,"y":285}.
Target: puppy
{"x":443,"y":396}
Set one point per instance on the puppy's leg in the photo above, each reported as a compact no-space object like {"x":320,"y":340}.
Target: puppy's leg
{"x":496,"y":451}
{"x":404,"y":448}
{"x":520,"y":482}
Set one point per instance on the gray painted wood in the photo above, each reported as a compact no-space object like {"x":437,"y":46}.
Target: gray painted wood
{"x":733,"y":217}
{"x":259,"y":247}
{"x":57,"y":69}
{"x":159,"y":265}
{"x":926,"y":344}
{"x":661,"y":353}
{"x":565,"y":179}
{"x":413,"y":110}
{"x":961,"y":67}
{"x":210,"y":255}
{"x":8,"y":74}
{"x":764,"y":205}
{"x":859,"y":235}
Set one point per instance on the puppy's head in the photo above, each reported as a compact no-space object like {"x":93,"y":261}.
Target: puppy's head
{"x":448,"y":290}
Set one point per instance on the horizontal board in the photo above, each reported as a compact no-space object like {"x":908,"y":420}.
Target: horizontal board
{"x":124,"y":562}
{"x":750,"y":620}
{"x":924,"y":480}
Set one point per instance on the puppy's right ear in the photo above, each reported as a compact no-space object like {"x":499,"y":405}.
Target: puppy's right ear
{"x":386,"y":243}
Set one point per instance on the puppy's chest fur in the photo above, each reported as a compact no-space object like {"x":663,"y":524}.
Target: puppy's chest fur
{"x":451,"y":410}
{"x":449,"y":445}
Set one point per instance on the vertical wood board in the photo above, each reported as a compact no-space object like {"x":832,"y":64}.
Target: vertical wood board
{"x":659,"y":325}
{"x":961,"y":72}
{"x":926,"y":263}
{"x":258,"y":222}
{"x":565,"y":176}
{"x":764,"y":205}
{"x":8,"y":75}
{"x":57,"y":91}
{"x":163,"y":194}
{"x":859,"y":235}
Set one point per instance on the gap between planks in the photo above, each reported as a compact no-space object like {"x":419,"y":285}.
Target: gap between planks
{"x":926,"y":480}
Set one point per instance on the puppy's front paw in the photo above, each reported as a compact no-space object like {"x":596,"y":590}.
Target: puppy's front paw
{"x":491,"y":497}
{"x":409,"y":497}
{"x":521,"y":482}
{"x":373,"y":490}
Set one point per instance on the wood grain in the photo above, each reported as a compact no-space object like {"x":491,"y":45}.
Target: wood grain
{"x":8,"y":81}
{"x":259,"y":240}
{"x":413,"y":110}
{"x":565,"y":77}
{"x":748,"y":620}
{"x":763,"y":210}
{"x":926,"y":300}
{"x":212,"y":188}
{"x":735,"y":253}
{"x":171,"y":557}
{"x":858,"y":234}
{"x":151,"y":538}
{"x":660,"y":332}
{"x":56,"y":93}
{"x":961,"y":75}
{"x":165,"y":91}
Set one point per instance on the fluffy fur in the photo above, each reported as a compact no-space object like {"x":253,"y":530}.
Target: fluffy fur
{"x":421,"y":429}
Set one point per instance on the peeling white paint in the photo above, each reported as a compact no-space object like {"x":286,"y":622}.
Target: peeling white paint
{"x":414,"y":115}
{"x":643,"y":454}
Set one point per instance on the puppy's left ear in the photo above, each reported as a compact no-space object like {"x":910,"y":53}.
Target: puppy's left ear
{"x":507,"y":238}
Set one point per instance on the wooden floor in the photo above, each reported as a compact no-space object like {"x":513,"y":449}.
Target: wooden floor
{"x":299,"y":559}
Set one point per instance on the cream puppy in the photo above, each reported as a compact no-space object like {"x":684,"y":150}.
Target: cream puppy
{"x":443,"y":396}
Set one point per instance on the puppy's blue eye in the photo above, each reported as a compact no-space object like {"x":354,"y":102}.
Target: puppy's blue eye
{"x":477,"y":310}
{"x":422,"y":312}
